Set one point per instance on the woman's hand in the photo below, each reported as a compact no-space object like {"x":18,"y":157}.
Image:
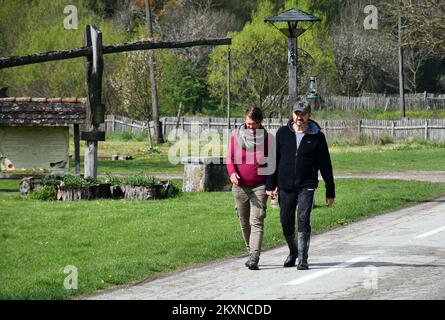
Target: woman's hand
{"x":234,"y":178}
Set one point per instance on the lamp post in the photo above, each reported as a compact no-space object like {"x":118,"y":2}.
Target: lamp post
{"x":292,"y":31}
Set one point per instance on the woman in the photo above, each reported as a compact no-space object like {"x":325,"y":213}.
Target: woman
{"x":245,"y":164}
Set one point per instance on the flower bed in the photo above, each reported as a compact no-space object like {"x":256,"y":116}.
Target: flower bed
{"x":70,"y":188}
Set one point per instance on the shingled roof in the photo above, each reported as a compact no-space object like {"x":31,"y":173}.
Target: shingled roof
{"x":16,"y":111}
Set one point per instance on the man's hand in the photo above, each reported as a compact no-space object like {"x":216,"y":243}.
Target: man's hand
{"x":234,"y":177}
{"x":330,"y":202}
{"x":272,"y":194}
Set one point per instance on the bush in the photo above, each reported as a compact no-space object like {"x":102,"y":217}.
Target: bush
{"x":386,"y":139}
{"x":46,"y":193}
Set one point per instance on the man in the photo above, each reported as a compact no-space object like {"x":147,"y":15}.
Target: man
{"x":301,"y":151}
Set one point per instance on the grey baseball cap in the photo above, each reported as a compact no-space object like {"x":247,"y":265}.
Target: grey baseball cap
{"x":301,"y":107}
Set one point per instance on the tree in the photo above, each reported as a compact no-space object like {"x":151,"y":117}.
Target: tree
{"x":364,"y":58}
{"x":415,"y":59}
{"x":424,"y":23}
{"x":130,"y":83}
{"x":153,"y":86}
{"x":181,"y":83}
{"x":259,"y":60}
{"x":422,"y":34}
{"x":189,"y":20}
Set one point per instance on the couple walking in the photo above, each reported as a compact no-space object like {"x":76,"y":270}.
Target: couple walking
{"x":285,"y":167}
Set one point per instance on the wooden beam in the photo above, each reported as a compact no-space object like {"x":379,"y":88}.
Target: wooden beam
{"x":92,"y":135}
{"x":8,"y":62}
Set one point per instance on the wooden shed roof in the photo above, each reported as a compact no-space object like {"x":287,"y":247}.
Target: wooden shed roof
{"x":16,"y":111}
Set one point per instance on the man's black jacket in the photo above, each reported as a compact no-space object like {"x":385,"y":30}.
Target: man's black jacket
{"x":294,"y":172}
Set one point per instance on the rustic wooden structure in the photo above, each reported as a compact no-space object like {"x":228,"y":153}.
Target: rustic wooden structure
{"x":94,"y":51}
{"x":27,"y":112}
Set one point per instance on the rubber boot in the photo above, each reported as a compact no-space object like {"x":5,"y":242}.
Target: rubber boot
{"x":304,"y":238}
{"x":293,"y":251}
{"x":252,"y":263}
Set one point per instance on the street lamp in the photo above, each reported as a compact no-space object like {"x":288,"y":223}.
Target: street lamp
{"x":292,"y":17}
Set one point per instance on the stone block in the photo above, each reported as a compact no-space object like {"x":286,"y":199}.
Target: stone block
{"x":205,"y":174}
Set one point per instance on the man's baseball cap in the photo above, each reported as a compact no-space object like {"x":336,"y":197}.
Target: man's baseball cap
{"x":300,"y":106}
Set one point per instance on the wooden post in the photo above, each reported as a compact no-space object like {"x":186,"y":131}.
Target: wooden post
{"x":95,"y":109}
{"x":164,"y":126}
{"x":360,"y":126}
{"x":178,"y":118}
{"x":426,"y":130}
{"x":401,"y":75}
{"x":76,"y":148}
{"x":393,"y":129}
{"x":182,"y":124}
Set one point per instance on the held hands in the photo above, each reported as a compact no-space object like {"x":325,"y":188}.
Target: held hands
{"x":234,"y":178}
{"x":272,"y":194}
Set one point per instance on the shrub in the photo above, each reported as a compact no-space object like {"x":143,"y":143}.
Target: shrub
{"x":46,"y":193}
{"x":386,"y":139}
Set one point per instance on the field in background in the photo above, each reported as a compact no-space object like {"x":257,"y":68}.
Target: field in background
{"x":360,"y":154}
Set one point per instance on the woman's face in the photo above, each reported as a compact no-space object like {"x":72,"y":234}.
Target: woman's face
{"x":251,"y":124}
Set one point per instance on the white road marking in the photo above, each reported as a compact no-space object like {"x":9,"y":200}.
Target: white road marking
{"x":325,"y":272}
{"x":430,"y":233}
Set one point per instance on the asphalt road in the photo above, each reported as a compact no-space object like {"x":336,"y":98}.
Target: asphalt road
{"x":398,"y":255}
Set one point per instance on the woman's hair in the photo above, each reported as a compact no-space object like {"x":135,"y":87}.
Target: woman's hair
{"x":255,"y":114}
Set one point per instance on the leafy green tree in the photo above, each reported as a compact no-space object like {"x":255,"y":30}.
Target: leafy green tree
{"x":182,"y":83}
{"x":42,"y":29}
{"x":259,"y":63}
{"x":259,"y":54}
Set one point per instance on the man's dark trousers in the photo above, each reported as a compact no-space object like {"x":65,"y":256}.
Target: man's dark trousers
{"x":289,"y":200}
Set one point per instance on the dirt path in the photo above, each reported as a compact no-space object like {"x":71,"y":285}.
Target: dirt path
{"x":433,"y":176}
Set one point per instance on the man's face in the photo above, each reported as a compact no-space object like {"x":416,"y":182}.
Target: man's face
{"x":251,"y":124}
{"x":301,"y":118}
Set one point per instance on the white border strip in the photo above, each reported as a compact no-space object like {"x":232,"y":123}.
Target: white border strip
{"x":430,"y":233}
{"x":325,"y":272}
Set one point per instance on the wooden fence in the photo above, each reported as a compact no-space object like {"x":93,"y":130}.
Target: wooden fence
{"x":431,"y":129}
{"x":379,"y":101}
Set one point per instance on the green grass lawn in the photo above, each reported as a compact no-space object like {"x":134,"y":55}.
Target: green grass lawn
{"x":154,"y":164}
{"x":387,"y":159}
{"x":113,"y":242}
